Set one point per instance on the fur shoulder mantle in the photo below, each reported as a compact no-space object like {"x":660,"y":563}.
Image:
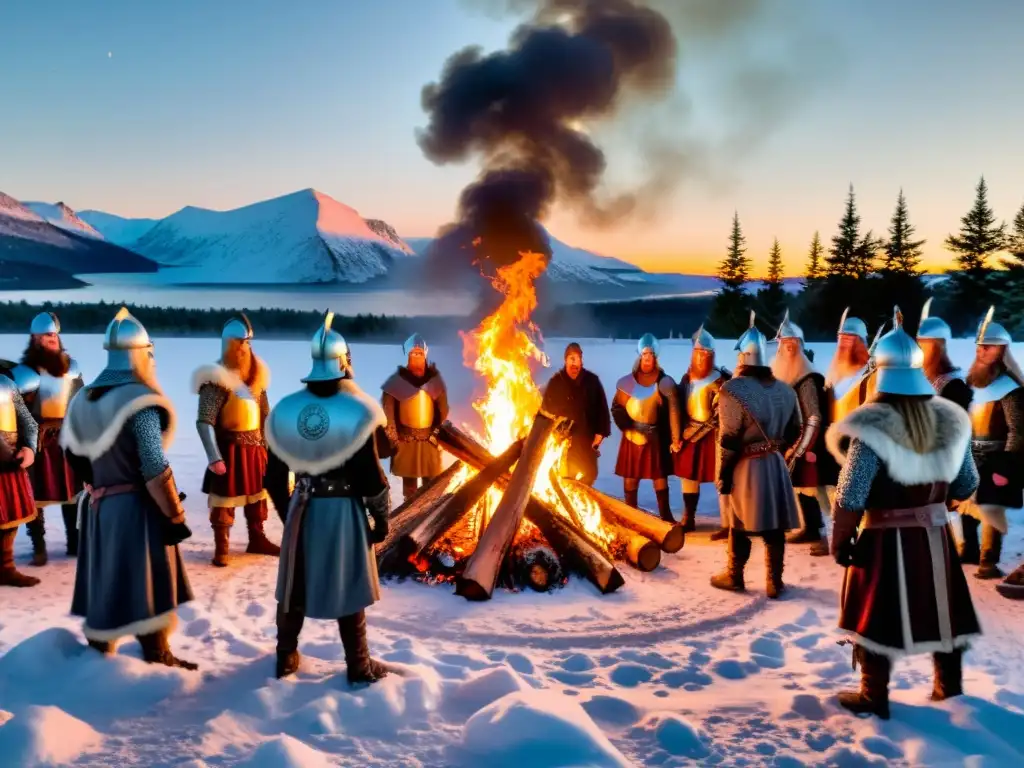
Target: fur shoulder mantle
{"x":221,"y":376}
{"x":881,"y":429}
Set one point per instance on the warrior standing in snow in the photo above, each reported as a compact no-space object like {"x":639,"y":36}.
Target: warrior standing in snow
{"x":848,"y":385}
{"x":415,"y":401}
{"x":698,"y":393}
{"x":997,"y":415}
{"x":233,"y":407}
{"x":792,"y":366}
{"x":130,"y":577}
{"x":18,"y":434}
{"x":933,"y":334}
{"x":903,"y":455}
{"x":758,"y":420}
{"x":324,"y":433}
{"x":47,"y":379}
{"x":646,"y":409}
{"x":576,"y":394}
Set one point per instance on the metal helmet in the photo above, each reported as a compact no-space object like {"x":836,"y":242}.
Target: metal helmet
{"x":236,"y":329}
{"x":992,"y":334}
{"x":853,"y":326}
{"x":752,"y":345}
{"x":900,"y":362}
{"x":44,"y":322}
{"x":932,"y":327}
{"x":703,"y":340}
{"x":124,"y":336}
{"x":415,"y":342}
{"x":789,"y":330}
{"x":648,"y":342}
{"x":330,"y":354}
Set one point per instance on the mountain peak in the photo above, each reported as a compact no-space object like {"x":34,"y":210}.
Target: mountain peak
{"x":61,"y":215}
{"x":16,"y":210}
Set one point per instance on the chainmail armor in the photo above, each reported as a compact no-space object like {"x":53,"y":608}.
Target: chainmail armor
{"x":28,"y":429}
{"x":966,"y":481}
{"x":856,"y":476}
{"x":211,"y":400}
{"x":1013,"y":410}
{"x":109,"y":378}
{"x":145,"y":426}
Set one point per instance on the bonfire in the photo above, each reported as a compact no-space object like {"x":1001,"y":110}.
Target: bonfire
{"x":502,"y":513}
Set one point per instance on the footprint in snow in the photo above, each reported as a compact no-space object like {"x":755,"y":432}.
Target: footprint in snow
{"x":578,"y":662}
{"x":731,"y":669}
{"x":630,"y":675}
{"x":197,"y":628}
{"x":612,"y":711}
{"x":768,"y":652}
{"x":690,"y":678}
{"x":255,"y":609}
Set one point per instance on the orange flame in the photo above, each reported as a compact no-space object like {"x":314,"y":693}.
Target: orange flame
{"x":501,"y":350}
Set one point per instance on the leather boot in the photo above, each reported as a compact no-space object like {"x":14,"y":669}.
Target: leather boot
{"x":221,"y":540}
{"x":949,"y":675}
{"x":664,"y":508}
{"x":9,"y":575}
{"x":1012,"y":587}
{"x":873,"y":696}
{"x":991,"y":551}
{"x":157,"y":650}
{"x":731,"y":579}
{"x":289,"y":625}
{"x":409,"y":487}
{"x":811,"y":514}
{"x":259,"y":544}
{"x":690,"y":511}
{"x":103,"y":646}
{"x":969,"y":548}
{"x":720,"y":535}
{"x":361,"y":667}
{"x":775,"y":558}
{"x":37,"y":533}
{"x":631,"y":497}
{"x":70,"y":514}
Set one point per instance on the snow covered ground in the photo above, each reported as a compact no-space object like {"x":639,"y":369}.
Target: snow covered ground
{"x":665,"y":672}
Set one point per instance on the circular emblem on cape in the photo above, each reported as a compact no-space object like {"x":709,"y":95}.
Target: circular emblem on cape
{"x":313,"y":422}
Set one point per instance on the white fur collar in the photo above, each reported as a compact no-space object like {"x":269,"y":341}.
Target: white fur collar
{"x":879,"y":427}
{"x":93,"y":449}
{"x":221,"y":376}
{"x":374,"y":418}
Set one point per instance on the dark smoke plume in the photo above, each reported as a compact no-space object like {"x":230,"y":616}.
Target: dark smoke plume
{"x":521,"y":112}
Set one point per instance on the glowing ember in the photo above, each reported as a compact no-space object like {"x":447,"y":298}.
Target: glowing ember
{"x":501,"y":350}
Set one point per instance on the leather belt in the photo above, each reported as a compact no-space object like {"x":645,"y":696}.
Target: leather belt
{"x":113,"y":490}
{"x":928,"y":516}
{"x":763,"y":448}
{"x":327,"y":488}
{"x":988,"y":446}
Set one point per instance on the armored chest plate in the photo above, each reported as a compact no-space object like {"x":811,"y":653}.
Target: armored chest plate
{"x":240,"y":412}
{"x":700,"y":396}
{"x":987,"y":417}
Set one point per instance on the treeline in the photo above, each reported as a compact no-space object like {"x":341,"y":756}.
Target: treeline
{"x":16,"y":317}
{"x":871,"y":273}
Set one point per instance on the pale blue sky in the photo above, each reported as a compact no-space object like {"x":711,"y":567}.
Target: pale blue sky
{"x":222,"y":103}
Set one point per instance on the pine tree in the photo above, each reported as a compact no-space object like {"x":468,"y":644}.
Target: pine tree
{"x":978,"y":239}
{"x":902,"y":252}
{"x":865,"y":256}
{"x":771,"y":298}
{"x":732,"y":301}
{"x":815,"y":269}
{"x":1011,"y":292}
{"x":842,"y":258}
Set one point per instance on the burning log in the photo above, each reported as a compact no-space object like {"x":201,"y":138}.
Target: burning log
{"x":639,"y":551}
{"x":477,"y":581}
{"x":538,"y":567}
{"x":580,"y":553}
{"x":669,"y":536}
{"x":577,"y":550}
{"x":407,"y":516}
{"x":452,"y":509}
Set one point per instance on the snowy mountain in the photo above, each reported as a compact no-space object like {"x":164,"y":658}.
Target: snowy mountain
{"x":117,"y":229}
{"x":61,"y":215}
{"x":304,"y":237}
{"x":26,"y":237}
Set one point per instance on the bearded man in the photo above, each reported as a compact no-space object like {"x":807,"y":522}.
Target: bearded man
{"x":849,"y":384}
{"x":933,"y":335}
{"x":698,"y":393}
{"x":130,"y":577}
{"x":792,"y":366}
{"x":759,"y":420}
{"x":997,"y":418}
{"x":646,"y":409}
{"x":47,"y":379}
{"x":576,"y":394}
{"x":415,"y":401}
{"x":233,"y":409}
